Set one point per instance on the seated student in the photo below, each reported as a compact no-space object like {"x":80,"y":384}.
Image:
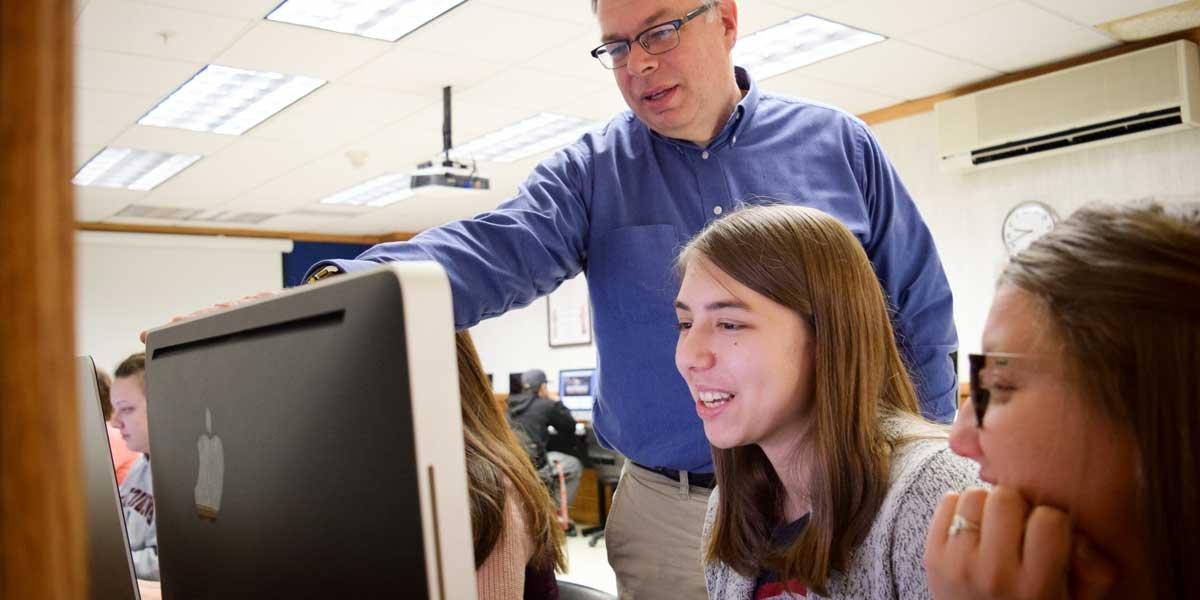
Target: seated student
{"x":518,"y":543}
{"x":122,"y":457}
{"x":827,"y":475}
{"x":137,"y":491}
{"x":1084,"y":414}
{"x":530,"y":412}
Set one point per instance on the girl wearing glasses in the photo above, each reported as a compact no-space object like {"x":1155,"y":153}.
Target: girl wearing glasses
{"x":827,"y":475}
{"x":1085,"y":416}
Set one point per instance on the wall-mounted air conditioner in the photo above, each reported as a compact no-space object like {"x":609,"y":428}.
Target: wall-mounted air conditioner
{"x":1150,"y":91}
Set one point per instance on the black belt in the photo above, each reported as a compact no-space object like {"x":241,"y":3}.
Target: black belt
{"x":704,"y":480}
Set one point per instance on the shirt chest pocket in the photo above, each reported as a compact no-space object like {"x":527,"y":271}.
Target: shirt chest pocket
{"x":632,"y":276}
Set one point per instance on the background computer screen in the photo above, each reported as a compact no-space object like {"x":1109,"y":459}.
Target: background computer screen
{"x":514,"y":383}
{"x":576,"y":387}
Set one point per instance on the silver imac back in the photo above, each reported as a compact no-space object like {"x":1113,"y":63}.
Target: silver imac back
{"x":310,"y":445}
{"x":110,"y":566}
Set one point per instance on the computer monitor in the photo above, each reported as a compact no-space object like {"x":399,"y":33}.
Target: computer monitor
{"x":576,"y":388}
{"x":310,"y":445}
{"x":515,"y":386}
{"x":110,"y":565}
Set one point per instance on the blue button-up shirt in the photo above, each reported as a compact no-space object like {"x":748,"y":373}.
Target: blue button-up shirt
{"x":620,"y":202}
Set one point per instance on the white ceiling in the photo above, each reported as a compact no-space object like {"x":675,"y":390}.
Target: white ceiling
{"x":507,"y":59}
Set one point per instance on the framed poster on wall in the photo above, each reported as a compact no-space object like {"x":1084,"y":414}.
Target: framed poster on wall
{"x":569,"y":314}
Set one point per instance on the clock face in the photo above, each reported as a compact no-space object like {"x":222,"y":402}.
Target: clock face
{"x":1025,"y":223}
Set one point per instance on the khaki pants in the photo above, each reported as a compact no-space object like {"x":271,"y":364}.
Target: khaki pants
{"x":653,"y":536}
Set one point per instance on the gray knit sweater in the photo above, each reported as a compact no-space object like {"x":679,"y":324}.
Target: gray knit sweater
{"x":888,"y":563}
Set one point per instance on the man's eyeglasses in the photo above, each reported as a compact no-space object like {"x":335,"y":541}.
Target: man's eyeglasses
{"x":990,"y":376}
{"x":659,"y":39}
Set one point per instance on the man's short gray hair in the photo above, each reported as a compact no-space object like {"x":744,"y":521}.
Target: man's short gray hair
{"x":708,"y":3}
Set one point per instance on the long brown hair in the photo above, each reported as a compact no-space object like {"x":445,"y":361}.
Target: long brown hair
{"x":1122,"y":288}
{"x":809,"y":262}
{"x":494,"y":456}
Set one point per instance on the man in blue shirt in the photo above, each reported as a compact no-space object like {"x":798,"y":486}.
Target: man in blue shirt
{"x":700,"y":139}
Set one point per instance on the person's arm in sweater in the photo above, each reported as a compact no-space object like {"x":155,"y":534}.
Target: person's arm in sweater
{"x":502,"y":574}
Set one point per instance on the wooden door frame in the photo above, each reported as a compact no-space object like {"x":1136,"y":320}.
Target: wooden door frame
{"x":42,"y":535}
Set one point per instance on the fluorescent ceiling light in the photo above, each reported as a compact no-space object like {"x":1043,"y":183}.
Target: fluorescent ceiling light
{"x":541,"y":132}
{"x":381,"y":191}
{"x":387,"y":20}
{"x":132,"y":169}
{"x":228,"y":100}
{"x":792,"y":44}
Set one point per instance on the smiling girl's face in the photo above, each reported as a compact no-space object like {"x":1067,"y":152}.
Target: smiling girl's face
{"x":747,"y":360}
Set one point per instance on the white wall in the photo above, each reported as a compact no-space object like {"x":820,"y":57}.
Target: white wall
{"x":965,"y":210}
{"x":129,"y":282}
{"x":519,"y":340}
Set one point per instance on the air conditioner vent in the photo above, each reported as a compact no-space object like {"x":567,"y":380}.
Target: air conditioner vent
{"x":1080,"y":135}
{"x":1149,"y":91}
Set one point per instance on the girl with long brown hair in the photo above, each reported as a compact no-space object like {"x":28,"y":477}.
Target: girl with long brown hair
{"x":827,"y":475}
{"x":1084,"y":413}
{"x":518,"y":542}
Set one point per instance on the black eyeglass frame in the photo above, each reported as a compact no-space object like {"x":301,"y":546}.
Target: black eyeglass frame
{"x":980,"y":396}
{"x":640,"y":38}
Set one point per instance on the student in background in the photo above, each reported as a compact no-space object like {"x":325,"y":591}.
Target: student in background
{"x":518,"y":542}
{"x":532,"y":411}
{"x":123,"y":458}
{"x":137,"y":491}
{"x":827,"y":475}
{"x":1084,"y":414}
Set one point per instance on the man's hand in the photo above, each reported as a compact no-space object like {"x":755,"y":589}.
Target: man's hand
{"x":994,"y":545}
{"x":218,"y":307}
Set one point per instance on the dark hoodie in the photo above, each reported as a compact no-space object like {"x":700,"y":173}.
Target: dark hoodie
{"x":531,"y":414}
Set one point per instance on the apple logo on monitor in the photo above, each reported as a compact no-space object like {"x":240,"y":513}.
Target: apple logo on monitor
{"x":212,"y":472}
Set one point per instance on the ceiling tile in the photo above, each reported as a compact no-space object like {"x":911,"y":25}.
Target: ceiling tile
{"x":1095,"y":12}
{"x":299,"y":50}
{"x":891,"y":18}
{"x":338,"y":113}
{"x":172,"y":140}
{"x":100,"y":116}
{"x":305,"y":186}
{"x":244,"y":9}
{"x":423,"y":211}
{"x":135,"y":28}
{"x":470,"y":119}
{"x":573,"y":59}
{"x":898,"y":69}
{"x":1012,"y":37}
{"x":845,"y":97}
{"x":761,"y":15}
{"x":423,"y":72}
{"x":495,"y":33}
{"x":128,"y":73}
{"x":214,"y":180}
{"x":513,"y":88}
{"x":98,"y":203}
{"x":84,"y":151}
{"x":602,"y":105}
{"x":802,"y":6}
{"x":578,"y":11}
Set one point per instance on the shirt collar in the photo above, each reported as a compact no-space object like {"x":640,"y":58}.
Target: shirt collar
{"x":742,"y":113}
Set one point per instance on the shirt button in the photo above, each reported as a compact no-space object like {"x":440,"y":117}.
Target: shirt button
{"x":704,"y":155}
{"x":717,"y":210}
{"x":734,"y":140}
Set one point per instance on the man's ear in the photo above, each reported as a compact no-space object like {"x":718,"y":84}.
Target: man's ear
{"x":729,"y":21}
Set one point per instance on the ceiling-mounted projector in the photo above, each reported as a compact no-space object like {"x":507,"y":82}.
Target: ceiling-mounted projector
{"x":445,"y":172}
{"x":448,"y":173}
